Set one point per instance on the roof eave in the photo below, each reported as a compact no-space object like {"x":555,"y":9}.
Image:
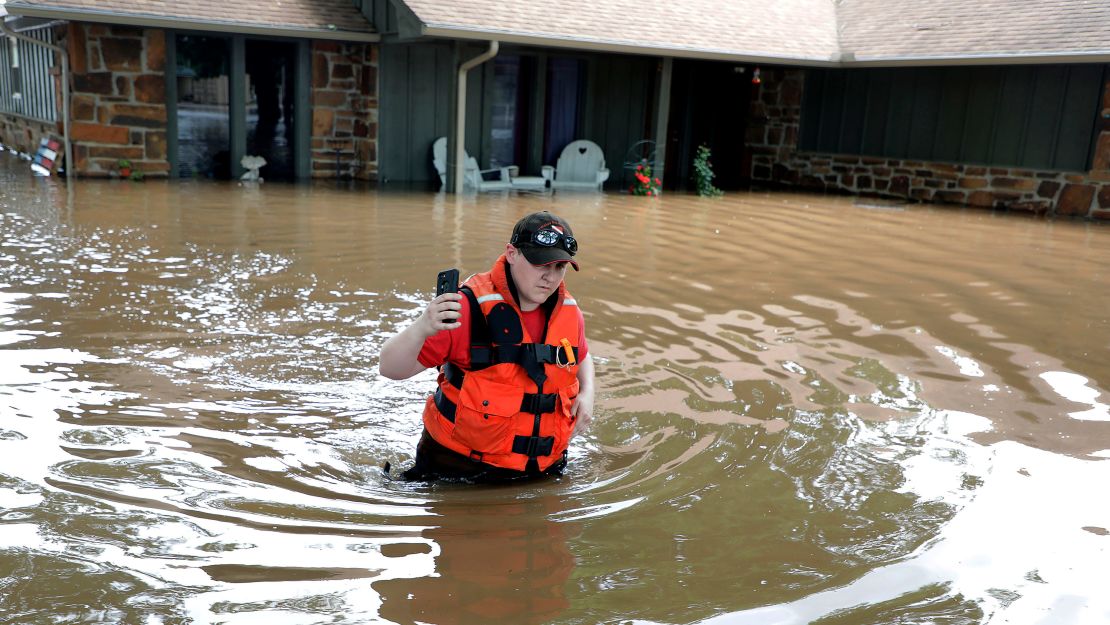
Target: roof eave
{"x":1017,"y":58}
{"x":833,"y":60}
{"x":159,"y":21}
{"x":621,"y":47}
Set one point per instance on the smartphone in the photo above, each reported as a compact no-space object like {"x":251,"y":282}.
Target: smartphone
{"x":447,"y":282}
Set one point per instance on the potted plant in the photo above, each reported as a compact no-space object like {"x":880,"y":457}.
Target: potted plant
{"x":645,"y":184}
{"x":124,"y":168}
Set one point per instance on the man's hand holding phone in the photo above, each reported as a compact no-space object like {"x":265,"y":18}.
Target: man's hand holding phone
{"x":443,"y":312}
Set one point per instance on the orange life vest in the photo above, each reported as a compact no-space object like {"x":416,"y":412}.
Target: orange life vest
{"x":513,"y":403}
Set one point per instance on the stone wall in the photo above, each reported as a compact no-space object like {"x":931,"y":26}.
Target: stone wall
{"x":23,"y":135}
{"x":118,"y":102}
{"x":344,"y":110}
{"x":773,"y":143}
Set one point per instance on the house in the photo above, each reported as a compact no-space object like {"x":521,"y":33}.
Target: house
{"x":1004,"y":104}
{"x":188,"y":88}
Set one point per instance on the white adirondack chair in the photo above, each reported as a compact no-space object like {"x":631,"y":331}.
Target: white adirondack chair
{"x":581,"y":166}
{"x":473,"y":177}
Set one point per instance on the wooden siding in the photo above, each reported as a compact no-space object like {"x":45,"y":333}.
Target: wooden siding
{"x":619,"y":98}
{"x":415,"y":108}
{"x":1040,"y":117}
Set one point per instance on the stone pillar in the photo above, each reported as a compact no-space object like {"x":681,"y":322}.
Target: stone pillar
{"x":344,"y":110}
{"x":776,"y":113}
{"x":118,"y":101}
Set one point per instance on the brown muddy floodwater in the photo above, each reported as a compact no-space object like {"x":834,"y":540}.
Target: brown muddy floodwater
{"x":809,"y":410}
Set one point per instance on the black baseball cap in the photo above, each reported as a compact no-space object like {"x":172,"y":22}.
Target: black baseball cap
{"x":564,"y":245}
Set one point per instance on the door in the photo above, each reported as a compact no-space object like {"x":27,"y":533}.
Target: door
{"x":710,"y":105}
{"x":271,"y":67}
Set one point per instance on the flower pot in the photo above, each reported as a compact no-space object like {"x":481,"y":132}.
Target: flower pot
{"x":124,"y":172}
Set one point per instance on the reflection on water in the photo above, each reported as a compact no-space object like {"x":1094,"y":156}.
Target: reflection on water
{"x":808,"y":411}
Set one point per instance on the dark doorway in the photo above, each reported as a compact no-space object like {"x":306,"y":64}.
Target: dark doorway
{"x":271,"y":67}
{"x":710,"y":104}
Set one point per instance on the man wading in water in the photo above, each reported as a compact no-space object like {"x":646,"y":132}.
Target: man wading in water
{"x":516,"y":381}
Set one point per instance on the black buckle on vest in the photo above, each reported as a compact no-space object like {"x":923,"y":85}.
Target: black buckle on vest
{"x":481,"y":356}
{"x":499,"y":354}
{"x":533,"y":446}
{"x":530,"y":352}
{"x":537,"y":403}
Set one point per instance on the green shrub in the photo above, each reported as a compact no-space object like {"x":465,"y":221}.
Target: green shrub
{"x":703,"y":174}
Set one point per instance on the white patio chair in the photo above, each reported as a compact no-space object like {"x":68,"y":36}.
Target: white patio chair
{"x":581,"y":166}
{"x":473,"y":177}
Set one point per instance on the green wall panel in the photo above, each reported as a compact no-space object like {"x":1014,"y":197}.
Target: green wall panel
{"x":415,"y":108}
{"x":618,"y":109}
{"x":1044,"y":116}
{"x":900,"y":111}
{"x":1012,"y":113}
{"x":1084,"y":86}
{"x":812,"y":96}
{"x":1040,"y":117}
{"x":926,"y":106}
{"x":876,"y":101}
{"x":854,"y":115}
{"x":983,"y":101}
{"x":952,"y":115}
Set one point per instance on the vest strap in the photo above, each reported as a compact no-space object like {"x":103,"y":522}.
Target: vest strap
{"x":479,"y":330}
{"x":453,"y":375}
{"x":538,"y":403}
{"x":456,"y":375}
{"x":482,"y":356}
{"x":445,"y":406}
{"x":533,"y":403}
{"x":533,"y":446}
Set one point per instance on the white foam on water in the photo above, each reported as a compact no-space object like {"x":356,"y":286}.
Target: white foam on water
{"x":1078,"y":389}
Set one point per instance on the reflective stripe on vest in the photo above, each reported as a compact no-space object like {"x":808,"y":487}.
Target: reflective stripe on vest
{"x":494,"y":297}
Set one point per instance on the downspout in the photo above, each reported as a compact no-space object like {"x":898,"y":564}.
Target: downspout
{"x":460,"y":113}
{"x":71,"y":168}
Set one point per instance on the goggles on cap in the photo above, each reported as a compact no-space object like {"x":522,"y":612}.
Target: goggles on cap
{"x":547,"y":237}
